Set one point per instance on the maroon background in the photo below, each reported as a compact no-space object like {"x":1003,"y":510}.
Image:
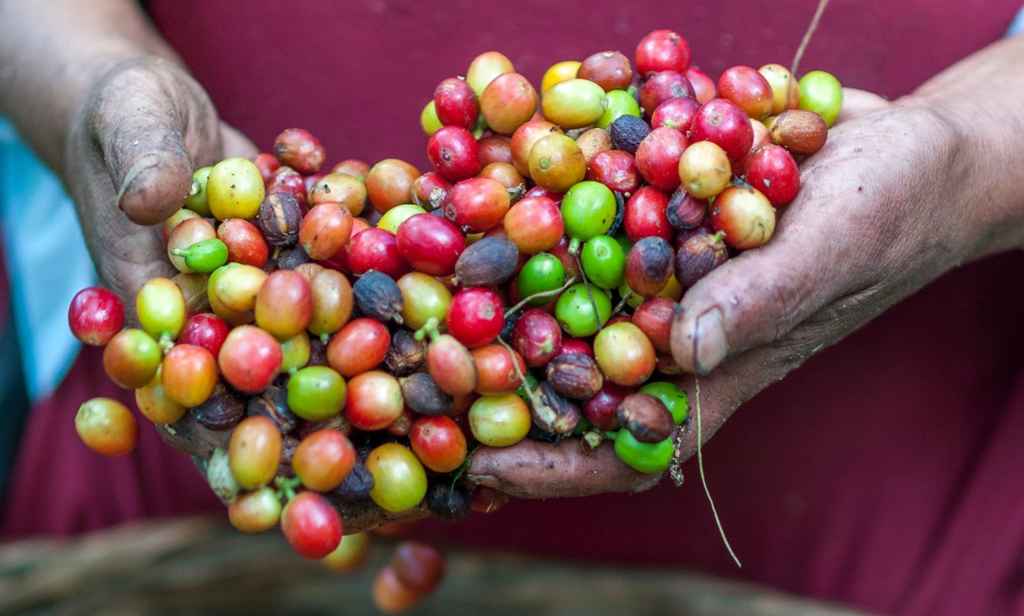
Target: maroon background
{"x":884,"y":473}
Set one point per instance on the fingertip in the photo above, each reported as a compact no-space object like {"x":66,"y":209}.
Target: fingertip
{"x":235,"y":144}
{"x":699,"y":344}
{"x":154,"y":187}
{"x":533,"y":469}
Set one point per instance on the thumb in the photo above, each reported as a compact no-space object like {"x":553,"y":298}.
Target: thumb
{"x":859,"y":102}
{"x":754,"y":299}
{"x":139,"y":125}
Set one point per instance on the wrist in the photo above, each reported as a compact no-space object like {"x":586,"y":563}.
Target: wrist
{"x":980,"y":177}
{"x":986,"y":128}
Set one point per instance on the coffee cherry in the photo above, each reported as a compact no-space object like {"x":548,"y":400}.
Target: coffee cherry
{"x":429,"y":121}
{"x":374,"y":400}
{"x":677,"y":113}
{"x":657,"y":157}
{"x":430,"y":244}
{"x":575,"y":310}
{"x":234,"y":189}
{"x":704,"y":169}
{"x":131,"y":358}
{"x":255,"y":512}
{"x":323,"y":460}
{"x":663,"y":86}
{"x":487,"y":262}
{"x":496,"y":369}
{"x":340,"y":188}
{"x":154,"y":404}
{"x":451,"y":366}
{"x":332,"y":302}
{"x":645,"y":417}
{"x":671,"y":396}
{"x":376,"y":249}
{"x":295,"y":352}
{"x":785,"y":90}
{"x":821,"y":93}
{"x":556,"y":162}
{"x":390,"y":595}
{"x":476,"y":316}
{"x":724,"y":124}
{"x":559,"y":72}
{"x":106,"y":426}
{"x":325,"y":230}
{"x":418,"y":566}
{"x":625,"y":354}
{"x":662,"y":50}
{"x":485,"y":68}
{"x":496,"y":149}
{"x":300,"y":150}
{"x":646,"y":215}
{"x":745,"y":215}
{"x":508,"y":102}
{"x":284,"y":304}
{"x":803,"y":132}
{"x":600,"y":409}
{"x":244,"y":242}
{"x":350,"y":554}
{"x":389,"y":183}
{"x":254,"y":452}
{"x":311,"y":525}
{"x":160,"y":306}
{"x":704,"y":88}
{"x":649,"y":266}
{"x":537,"y":336}
{"x":534,"y":224}
{"x":609,"y":69}
{"x":643,"y":457}
{"x":439,"y":443}
{"x":399,"y":481}
{"x":574,"y":103}
{"x":772,"y":170}
{"x":95,"y":315}
{"x":499,"y":420}
{"x":189,"y":374}
{"x":359,"y":346}
{"x":478,"y":204}
{"x":455,"y":103}
{"x":604,"y":261}
{"x":616,"y":169}
{"x":654,"y":318}
{"x":454,"y":153}
{"x":249,"y":359}
{"x":316,"y":393}
{"x":748,"y":89}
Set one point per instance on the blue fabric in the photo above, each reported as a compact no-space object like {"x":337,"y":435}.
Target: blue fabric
{"x":1017,"y":27}
{"x":47,"y":262}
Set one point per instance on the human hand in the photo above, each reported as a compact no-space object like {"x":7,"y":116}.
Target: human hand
{"x":142,"y":129}
{"x":891,"y":202}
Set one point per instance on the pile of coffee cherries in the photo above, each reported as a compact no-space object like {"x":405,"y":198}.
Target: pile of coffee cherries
{"x":354,"y":331}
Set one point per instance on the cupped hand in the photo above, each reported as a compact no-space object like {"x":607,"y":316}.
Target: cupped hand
{"x":889,"y":204}
{"x":141,"y":130}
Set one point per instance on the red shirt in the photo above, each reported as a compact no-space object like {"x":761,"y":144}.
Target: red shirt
{"x":883,"y":473}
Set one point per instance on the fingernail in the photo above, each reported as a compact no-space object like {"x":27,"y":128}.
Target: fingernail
{"x":709,"y":344}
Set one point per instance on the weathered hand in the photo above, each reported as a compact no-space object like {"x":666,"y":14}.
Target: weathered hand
{"x":889,"y":204}
{"x":142,"y":129}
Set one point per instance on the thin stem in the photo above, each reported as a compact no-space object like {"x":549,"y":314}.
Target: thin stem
{"x":704,"y":481}
{"x":526,"y":300}
{"x":622,"y":302}
{"x":530,"y":393}
{"x":822,"y":4}
{"x":430,"y":327}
